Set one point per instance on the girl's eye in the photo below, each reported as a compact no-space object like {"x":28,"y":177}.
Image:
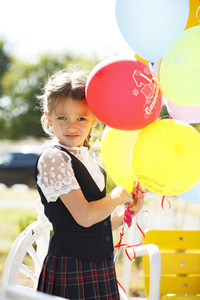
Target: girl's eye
{"x":82,"y":119}
{"x":62,"y":118}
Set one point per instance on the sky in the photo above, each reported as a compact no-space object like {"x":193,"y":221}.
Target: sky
{"x":34,"y":27}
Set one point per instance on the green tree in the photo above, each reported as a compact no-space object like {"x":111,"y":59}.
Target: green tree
{"x":5,"y":61}
{"x":23,"y":83}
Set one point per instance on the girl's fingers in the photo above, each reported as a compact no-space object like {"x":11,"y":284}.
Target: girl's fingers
{"x":138,"y":192}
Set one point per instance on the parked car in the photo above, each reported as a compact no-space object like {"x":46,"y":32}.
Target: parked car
{"x":17,"y":165}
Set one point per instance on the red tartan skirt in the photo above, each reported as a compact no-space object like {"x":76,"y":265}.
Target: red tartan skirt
{"x":78,"y":279}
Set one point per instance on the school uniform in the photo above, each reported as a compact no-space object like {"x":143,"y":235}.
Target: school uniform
{"x":79,"y":263}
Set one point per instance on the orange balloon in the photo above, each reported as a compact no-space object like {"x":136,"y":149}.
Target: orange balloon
{"x":194,"y":14}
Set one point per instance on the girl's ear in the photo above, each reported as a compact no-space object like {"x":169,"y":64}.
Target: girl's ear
{"x":48,"y":118}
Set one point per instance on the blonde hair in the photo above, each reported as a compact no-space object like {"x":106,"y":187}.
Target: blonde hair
{"x":63,"y":84}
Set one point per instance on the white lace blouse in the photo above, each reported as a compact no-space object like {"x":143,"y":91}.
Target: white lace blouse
{"x":56,"y":176}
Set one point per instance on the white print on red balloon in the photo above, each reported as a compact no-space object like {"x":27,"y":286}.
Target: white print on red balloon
{"x":149,"y":88}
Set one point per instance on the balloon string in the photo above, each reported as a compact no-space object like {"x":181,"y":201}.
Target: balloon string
{"x":121,"y":286}
{"x":128,"y":214}
{"x":162,"y":202}
{"x":137,"y":189}
{"x":119,"y":244}
{"x":140,"y":229}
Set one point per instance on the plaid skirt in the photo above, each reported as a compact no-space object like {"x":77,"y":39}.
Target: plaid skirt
{"x":78,"y":279}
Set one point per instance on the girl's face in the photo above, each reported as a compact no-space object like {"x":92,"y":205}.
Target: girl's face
{"x":71,"y":121}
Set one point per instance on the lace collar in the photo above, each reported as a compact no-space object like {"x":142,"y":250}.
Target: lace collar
{"x":77,"y":151}
{"x":82,"y":150}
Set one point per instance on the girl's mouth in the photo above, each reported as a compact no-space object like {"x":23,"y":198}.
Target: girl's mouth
{"x":71,"y":136}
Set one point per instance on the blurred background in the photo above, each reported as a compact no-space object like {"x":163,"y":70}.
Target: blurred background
{"x":38,"y":38}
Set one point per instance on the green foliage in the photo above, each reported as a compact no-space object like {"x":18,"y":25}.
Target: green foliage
{"x":196,"y":126}
{"x":110,"y":185}
{"x":164,"y":113}
{"x":25,"y":221}
{"x":13,"y":221}
{"x":5,"y":61}
{"x":21,"y":84}
{"x":138,"y":261}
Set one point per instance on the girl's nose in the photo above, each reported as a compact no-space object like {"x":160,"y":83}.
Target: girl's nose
{"x":72,"y":124}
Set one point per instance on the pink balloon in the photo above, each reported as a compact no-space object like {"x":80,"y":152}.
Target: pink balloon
{"x":124,"y":94}
{"x":188,"y":114}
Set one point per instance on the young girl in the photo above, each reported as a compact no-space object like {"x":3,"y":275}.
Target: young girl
{"x":79,"y":263}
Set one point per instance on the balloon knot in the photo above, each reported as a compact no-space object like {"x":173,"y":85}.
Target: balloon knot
{"x":128,"y":216}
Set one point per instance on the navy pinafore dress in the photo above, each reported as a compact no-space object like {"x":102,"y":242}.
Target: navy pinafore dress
{"x":79,"y":263}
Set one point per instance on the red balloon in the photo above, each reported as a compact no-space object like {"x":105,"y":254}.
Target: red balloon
{"x":124,"y":94}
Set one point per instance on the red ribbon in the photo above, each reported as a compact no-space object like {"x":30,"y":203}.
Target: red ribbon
{"x":120,"y":283}
{"x":128,"y":216}
{"x":162,"y":202}
{"x":128,"y":219}
{"x":119,"y":244}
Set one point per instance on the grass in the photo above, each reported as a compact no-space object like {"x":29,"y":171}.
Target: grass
{"x":13,"y":221}
{"x":15,"y":216}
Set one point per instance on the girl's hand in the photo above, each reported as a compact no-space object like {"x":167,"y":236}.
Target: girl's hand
{"x":121,"y":195}
{"x":138,"y":195}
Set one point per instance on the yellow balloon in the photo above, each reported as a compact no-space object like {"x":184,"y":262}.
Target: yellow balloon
{"x":194,"y":14}
{"x":116,"y":154}
{"x":166,"y":157}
